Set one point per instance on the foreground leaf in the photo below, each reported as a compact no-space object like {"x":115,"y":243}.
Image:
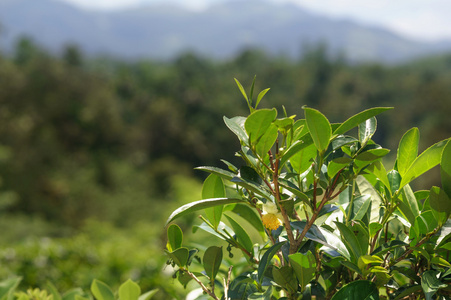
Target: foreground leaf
{"x":319,"y":127}
{"x":201,"y":204}
{"x":359,"y":118}
{"x":129,"y":291}
{"x":101,"y":291}
{"x":358,"y":290}
{"x":423,"y":163}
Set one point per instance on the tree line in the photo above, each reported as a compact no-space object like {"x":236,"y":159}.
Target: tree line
{"x":100,"y":137}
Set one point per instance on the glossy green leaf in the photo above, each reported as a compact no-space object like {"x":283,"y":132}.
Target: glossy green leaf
{"x":445,"y":169}
{"x":324,"y":237}
{"x":241,"y":234}
{"x":179,"y":256}
{"x":394,"y":178}
{"x":266,"y":295}
{"x":378,"y":169}
{"x":403,"y":293}
{"x":374,"y":228}
{"x":236,"y":125}
{"x":424,"y":162}
{"x":220,"y":232}
{"x":336,"y":165}
{"x":304,"y":266}
{"x":439,"y":200}
{"x":351,"y":241}
{"x":367,"y":130}
{"x":284,"y":124}
{"x":319,"y":127}
{"x":431,"y":284}
{"x":266,"y":141}
{"x":360,"y":207}
{"x":409,"y":204}
{"x":175,"y":237}
{"x":408,"y":150}
{"x":260,"y":96}
{"x":101,"y":291}
{"x":285,"y":277}
{"x":240,"y":87}
{"x":266,"y":260}
{"x":250,"y":215}
{"x":201,"y":204}
{"x":212,"y":261}
{"x":258,"y":123}
{"x":424,"y":224}
{"x":213,"y":187}
{"x":301,"y":161}
{"x":355,"y":120}
{"x":358,"y":290}
{"x":129,"y":290}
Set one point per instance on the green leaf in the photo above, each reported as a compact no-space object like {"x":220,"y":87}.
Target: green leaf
{"x":324,"y":237}
{"x":201,"y":204}
{"x":409,"y":204}
{"x":266,"y":141}
{"x":241,"y":235}
{"x":259,"y":296}
{"x":260,"y":96}
{"x":212,"y":261}
{"x":378,"y":169}
{"x":359,"y":118}
{"x":319,"y":128}
{"x":74,"y":294}
{"x":439,"y":200}
{"x":129,"y":290}
{"x":266,"y":260}
{"x":424,"y":162}
{"x":431,"y":284}
{"x":213,"y":187}
{"x":425,"y":223}
{"x":304,"y":266}
{"x":358,"y":290}
{"x":374,"y":228}
{"x":148,"y":295}
{"x":101,"y":291}
{"x":236,"y":125}
{"x":367,"y":130}
{"x":408,"y":150}
{"x":258,"y":122}
{"x":285,"y":277}
{"x":53,"y":291}
{"x":250,"y":215}
{"x":179,"y":256}
{"x":445,"y":169}
{"x":301,"y":160}
{"x":8,"y":286}
{"x":360,"y":207}
{"x":351,"y":242}
{"x":175,"y":237}
{"x":395,"y":179}
{"x":336,"y":165}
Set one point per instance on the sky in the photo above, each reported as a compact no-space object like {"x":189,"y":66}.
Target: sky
{"x":426,"y":20}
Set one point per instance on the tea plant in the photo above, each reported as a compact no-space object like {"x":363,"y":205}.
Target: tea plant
{"x":333,"y":222}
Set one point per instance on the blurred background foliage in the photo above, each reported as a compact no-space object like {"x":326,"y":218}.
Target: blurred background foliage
{"x":95,"y":153}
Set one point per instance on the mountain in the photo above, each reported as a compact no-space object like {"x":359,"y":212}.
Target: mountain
{"x":222,"y":30}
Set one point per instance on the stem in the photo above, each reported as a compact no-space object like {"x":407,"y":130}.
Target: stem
{"x":286,"y":221}
{"x":204,"y":288}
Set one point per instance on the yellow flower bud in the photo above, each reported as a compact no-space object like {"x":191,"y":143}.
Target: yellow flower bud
{"x":270,"y":221}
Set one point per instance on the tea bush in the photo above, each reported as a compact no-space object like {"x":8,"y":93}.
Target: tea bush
{"x":333,"y":220}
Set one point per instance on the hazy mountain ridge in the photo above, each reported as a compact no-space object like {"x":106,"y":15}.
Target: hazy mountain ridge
{"x":221,"y":31}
